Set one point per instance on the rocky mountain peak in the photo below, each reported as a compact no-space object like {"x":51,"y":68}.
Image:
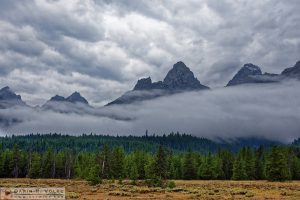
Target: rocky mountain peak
{"x":58,"y":98}
{"x":245,"y":75}
{"x":251,"y":69}
{"x":76,"y":98}
{"x":5,"y":88}
{"x":293,"y":72}
{"x":7,"y":94}
{"x":180,"y":77}
{"x":143,"y":84}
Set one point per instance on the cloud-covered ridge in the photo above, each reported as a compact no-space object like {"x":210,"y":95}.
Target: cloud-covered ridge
{"x":268,"y":110}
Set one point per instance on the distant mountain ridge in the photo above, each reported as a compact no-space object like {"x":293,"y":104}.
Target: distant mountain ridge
{"x":250,"y":73}
{"x":179,"y":79}
{"x":74,"y":103}
{"x":8,"y":98}
{"x":75,"y":97}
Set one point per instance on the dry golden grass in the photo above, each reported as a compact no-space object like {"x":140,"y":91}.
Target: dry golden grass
{"x":257,"y":190}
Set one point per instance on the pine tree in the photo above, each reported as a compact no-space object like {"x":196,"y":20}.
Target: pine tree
{"x":277,"y":167}
{"x":249,"y":160}
{"x":118,"y":163}
{"x":69,"y":163}
{"x":150,"y":168}
{"x":239,"y":171}
{"x":105,"y":162}
{"x":15,"y":162}
{"x":48,"y":167}
{"x":176,"y":168}
{"x":94,"y":175}
{"x":206,"y":169}
{"x":2,"y":175}
{"x":83,"y":162}
{"x":189,"y":168}
{"x":60,"y":165}
{"x":161,"y":163}
{"x":218,"y":168}
{"x":295,"y":169}
{"x":227,"y":161}
{"x":8,"y":166}
{"x":141,"y":159}
{"x":259,"y":164}
{"x":134,"y":173}
{"x":35,"y":167}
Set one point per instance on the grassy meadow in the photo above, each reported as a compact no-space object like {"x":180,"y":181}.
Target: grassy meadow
{"x":184,"y":189}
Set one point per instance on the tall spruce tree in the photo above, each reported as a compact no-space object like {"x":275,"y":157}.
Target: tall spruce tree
{"x":48,"y":167}
{"x":94,"y":175}
{"x":35,"y":167}
{"x":249,"y":161}
{"x":189,"y":168}
{"x":161,"y":163}
{"x":277,"y":166}
{"x":133,"y":174}
{"x":227,"y":160}
{"x":206,"y":170}
{"x":15,"y":162}
{"x":239,"y":170}
{"x":295,"y":168}
{"x":259,"y":166}
{"x":105,"y":162}
{"x":118,"y":163}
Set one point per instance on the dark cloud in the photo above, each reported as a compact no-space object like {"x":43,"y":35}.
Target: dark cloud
{"x":110,"y":44}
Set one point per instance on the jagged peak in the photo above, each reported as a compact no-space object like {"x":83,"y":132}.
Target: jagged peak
{"x":5,"y":88}
{"x":245,"y":74}
{"x":7,"y":94}
{"x":76,"y":97}
{"x":252,"y":67}
{"x":180,"y":65}
{"x":75,"y":94}
{"x":143,"y":84}
{"x":57,"y":98}
{"x":180,"y":77}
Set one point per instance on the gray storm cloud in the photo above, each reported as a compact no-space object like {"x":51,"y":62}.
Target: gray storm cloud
{"x":266,"y":110}
{"x":101,"y":47}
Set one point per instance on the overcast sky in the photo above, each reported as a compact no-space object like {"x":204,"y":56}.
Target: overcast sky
{"x":100,"y":48}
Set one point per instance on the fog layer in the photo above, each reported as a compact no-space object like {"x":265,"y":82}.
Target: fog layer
{"x":265,"y":110}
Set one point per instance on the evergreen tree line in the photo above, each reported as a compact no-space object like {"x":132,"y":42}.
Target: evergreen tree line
{"x":149,"y":143}
{"x":278,"y":163}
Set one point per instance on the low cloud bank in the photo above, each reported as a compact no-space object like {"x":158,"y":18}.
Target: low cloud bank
{"x":271,"y":111}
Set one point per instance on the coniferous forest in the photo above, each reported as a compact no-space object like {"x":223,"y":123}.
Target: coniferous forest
{"x":118,"y":158}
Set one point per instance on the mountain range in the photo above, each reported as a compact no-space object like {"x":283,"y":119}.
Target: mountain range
{"x":179,"y":79}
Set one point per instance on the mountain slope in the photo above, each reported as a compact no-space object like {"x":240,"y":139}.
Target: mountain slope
{"x":8,"y":98}
{"x":73,"y":103}
{"x":250,"y":73}
{"x":292,"y":72}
